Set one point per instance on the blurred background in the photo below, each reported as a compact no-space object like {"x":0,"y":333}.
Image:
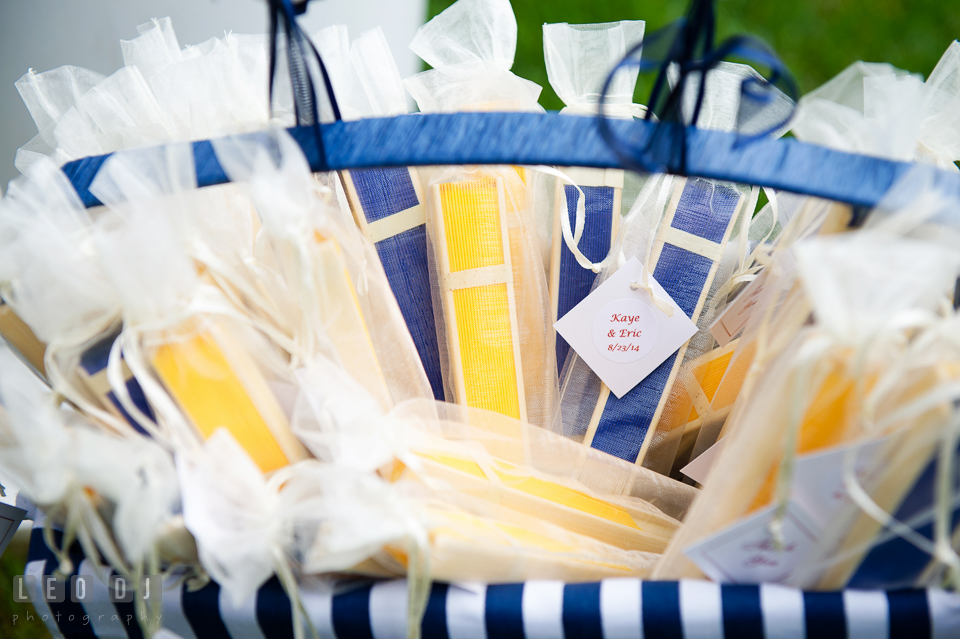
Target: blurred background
{"x":816,"y":39}
{"x":45,"y":34}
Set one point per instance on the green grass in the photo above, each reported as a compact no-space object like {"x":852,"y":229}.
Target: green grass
{"x":13,"y":562}
{"x":815,"y":38}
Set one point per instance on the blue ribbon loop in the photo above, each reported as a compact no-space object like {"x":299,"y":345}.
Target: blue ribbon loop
{"x":687,"y":46}
{"x":551,"y":139}
{"x":554,"y":139}
{"x":300,"y":52}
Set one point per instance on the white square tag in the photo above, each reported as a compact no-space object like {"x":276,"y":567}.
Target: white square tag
{"x":620,"y":333}
{"x":699,"y":468}
{"x":818,"y":477}
{"x":745,"y":553}
{"x":732,"y":320}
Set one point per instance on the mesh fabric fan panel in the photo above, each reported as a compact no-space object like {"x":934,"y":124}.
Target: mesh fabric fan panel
{"x":700,"y":221}
{"x":570,"y":283}
{"x":387,"y":204}
{"x":217,"y":385}
{"x":344,"y":322}
{"x":482,"y":328}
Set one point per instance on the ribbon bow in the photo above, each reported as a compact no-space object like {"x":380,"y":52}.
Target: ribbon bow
{"x":686,"y":47}
{"x":300,"y":53}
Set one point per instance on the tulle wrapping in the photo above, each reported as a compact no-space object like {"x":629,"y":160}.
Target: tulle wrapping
{"x":200,"y":361}
{"x":582,"y":391}
{"x":723,"y":373}
{"x":471,"y":47}
{"x":496,"y":345}
{"x":364,"y":74}
{"x":386,"y":204}
{"x":647,"y":425}
{"x":62,"y":297}
{"x":873,"y":109}
{"x":495,"y":339}
{"x":382,"y":497}
{"x":866,"y":368}
{"x":869,"y":108}
{"x":292,"y":428}
{"x":163,"y":93}
{"x":345,"y":309}
{"x":438,"y":451}
{"x":579,"y":58}
{"x":116,"y":496}
{"x":877,"y":109}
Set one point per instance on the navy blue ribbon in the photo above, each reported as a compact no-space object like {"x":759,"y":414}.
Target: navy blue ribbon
{"x":687,"y":46}
{"x":299,"y":53}
{"x":554,"y":139}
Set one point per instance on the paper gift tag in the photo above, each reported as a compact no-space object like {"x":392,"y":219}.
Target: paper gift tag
{"x":818,"y":477}
{"x":745,"y":553}
{"x":699,"y":468}
{"x":732,"y":320}
{"x":620,"y":333}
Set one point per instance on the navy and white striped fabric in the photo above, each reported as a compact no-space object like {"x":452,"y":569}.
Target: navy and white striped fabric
{"x":705,"y":209}
{"x":611,"y":609}
{"x":553,"y":139}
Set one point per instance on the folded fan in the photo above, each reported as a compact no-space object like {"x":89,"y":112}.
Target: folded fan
{"x":569,"y":282}
{"x":388,"y":207}
{"x":798,"y":217}
{"x":699,"y":385}
{"x":858,"y":372}
{"x":217,"y":384}
{"x":579,"y":57}
{"x":387,"y":203}
{"x":688,"y":245}
{"x":512,"y":548}
{"x":611,"y":520}
{"x":477,"y":294}
{"x":177,"y":324}
{"x":343,"y":320}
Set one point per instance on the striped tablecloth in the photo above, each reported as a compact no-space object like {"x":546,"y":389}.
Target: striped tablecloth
{"x":614,"y":608}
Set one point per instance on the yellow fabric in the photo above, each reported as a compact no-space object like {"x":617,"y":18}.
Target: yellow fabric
{"x":198,"y":376}
{"x":514,"y":478}
{"x":469,"y":527}
{"x":825,"y":424}
{"x":486,"y":348}
{"x":709,"y":375}
{"x":522,"y":172}
{"x":719,"y":381}
{"x":471,"y":217}
{"x":474,"y":235}
{"x":729,"y":389}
